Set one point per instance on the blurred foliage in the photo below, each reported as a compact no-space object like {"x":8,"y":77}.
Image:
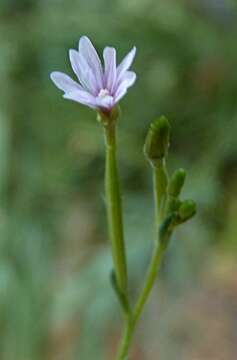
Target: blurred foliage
{"x":55,"y":298}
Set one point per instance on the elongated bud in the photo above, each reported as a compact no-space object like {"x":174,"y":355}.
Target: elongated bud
{"x":176,"y":182}
{"x":157,"y":139}
{"x":187,"y":210}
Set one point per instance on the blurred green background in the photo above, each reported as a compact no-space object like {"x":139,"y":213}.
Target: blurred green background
{"x":56,"y":302}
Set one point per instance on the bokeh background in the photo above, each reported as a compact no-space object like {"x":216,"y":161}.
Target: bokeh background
{"x":56,"y":301}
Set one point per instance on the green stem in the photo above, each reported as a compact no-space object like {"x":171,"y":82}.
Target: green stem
{"x":132,"y":319}
{"x":114,"y":208}
{"x":151,"y":277}
{"x":126,"y":338}
{"x":160,"y":182}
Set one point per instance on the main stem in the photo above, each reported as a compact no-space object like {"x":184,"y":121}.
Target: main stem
{"x":114,"y":208}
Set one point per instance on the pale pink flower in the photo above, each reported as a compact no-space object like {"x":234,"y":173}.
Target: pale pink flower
{"x":98,"y":87}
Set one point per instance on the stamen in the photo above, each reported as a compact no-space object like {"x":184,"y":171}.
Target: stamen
{"x":103,"y":93}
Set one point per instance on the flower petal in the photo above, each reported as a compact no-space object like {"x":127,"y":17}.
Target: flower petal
{"x":89,"y":53}
{"x":83,"y":71}
{"x":128,"y":79}
{"x":126,"y":63}
{"x":64,"y":82}
{"x":82,"y":97}
{"x":74,"y":60}
{"x":106,"y":102}
{"x":119,"y":94}
{"x":110,"y":73}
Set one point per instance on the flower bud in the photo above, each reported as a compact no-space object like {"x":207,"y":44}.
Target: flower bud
{"x":176,"y":182}
{"x":172,"y":204}
{"x":157,"y":139}
{"x":187,"y":210}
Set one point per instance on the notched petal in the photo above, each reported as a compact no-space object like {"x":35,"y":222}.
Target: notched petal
{"x":126,"y":63}
{"x":82,"y":97}
{"x":128,"y":78}
{"x":110,"y":73}
{"x":64,"y":82}
{"x":74,"y":60}
{"x":89,"y":53}
{"x":120,"y":93}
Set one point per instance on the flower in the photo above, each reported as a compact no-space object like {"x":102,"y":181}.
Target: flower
{"x":99,"y":88}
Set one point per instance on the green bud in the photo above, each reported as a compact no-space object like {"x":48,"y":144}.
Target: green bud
{"x":176,"y":182}
{"x":172,"y":205}
{"x":187,"y":210}
{"x":157,"y":139}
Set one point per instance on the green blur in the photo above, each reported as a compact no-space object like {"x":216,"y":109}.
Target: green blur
{"x":56,"y":301}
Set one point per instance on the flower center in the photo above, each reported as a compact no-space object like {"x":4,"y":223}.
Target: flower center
{"x":103,"y":93}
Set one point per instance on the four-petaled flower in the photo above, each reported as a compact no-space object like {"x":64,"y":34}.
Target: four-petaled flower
{"x":99,"y":88}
